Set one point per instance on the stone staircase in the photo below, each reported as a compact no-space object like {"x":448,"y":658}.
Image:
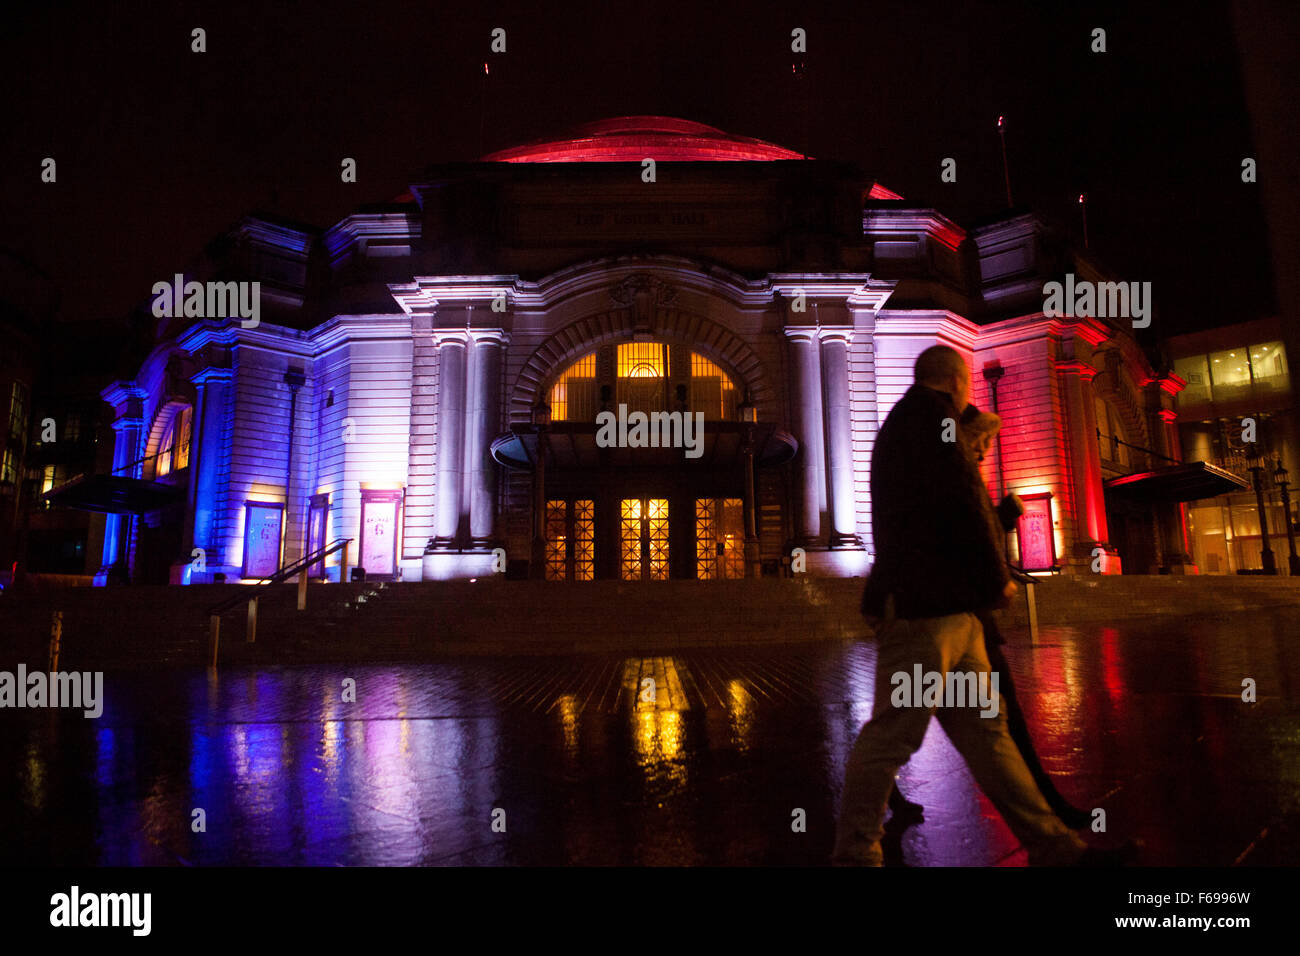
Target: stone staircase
{"x":149,"y":626}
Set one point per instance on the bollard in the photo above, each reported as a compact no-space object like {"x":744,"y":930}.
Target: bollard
{"x":251,"y":634}
{"x":56,"y":640}
{"x":1033,"y":613}
{"x":214,"y":631}
{"x":302,"y":590}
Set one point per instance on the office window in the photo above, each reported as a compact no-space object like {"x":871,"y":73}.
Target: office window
{"x":1230,"y":375}
{"x":1268,"y":368}
{"x":1195,"y":371}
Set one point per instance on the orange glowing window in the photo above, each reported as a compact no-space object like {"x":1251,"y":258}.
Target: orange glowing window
{"x":573,"y":396}
{"x":712,"y":391}
{"x":174,"y":448}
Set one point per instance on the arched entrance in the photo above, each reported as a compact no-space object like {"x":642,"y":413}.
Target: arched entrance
{"x":642,"y":458}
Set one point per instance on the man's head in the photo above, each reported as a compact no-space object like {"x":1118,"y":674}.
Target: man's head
{"x":944,"y":370}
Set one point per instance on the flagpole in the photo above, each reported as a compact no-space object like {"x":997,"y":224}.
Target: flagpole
{"x":1006,"y":170}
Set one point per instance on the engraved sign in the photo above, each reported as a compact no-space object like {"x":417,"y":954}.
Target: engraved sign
{"x":1034,"y":532}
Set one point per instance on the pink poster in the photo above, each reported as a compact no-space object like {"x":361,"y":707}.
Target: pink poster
{"x":1034,"y":530}
{"x":379,"y":537}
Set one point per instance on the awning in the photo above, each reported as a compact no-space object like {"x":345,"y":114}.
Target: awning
{"x":113,"y":494}
{"x":1190,"y":481}
{"x":573,"y":445}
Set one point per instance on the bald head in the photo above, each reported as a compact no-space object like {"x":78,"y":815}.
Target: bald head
{"x":943,"y":369}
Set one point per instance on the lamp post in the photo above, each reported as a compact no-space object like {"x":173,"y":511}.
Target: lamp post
{"x":748,"y":413}
{"x":1257,"y":476}
{"x":537,"y":561}
{"x":1282,"y":477}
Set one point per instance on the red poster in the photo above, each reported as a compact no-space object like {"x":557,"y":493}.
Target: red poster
{"x":1034,"y":531}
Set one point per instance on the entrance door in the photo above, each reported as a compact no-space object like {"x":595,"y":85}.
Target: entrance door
{"x":643,"y":539}
{"x":571,"y":540}
{"x":719,"y":538}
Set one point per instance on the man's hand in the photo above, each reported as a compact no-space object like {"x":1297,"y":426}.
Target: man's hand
{"x":1008,"y":593}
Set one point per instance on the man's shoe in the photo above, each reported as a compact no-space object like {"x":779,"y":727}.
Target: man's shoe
{"x":1125,"y":855}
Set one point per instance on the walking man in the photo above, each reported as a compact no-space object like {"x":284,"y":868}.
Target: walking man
{"x":938,"y":562}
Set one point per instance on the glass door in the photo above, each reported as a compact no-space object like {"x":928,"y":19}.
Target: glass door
{"x":643,"y":539}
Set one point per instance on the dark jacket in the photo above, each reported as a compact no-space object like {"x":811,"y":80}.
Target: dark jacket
{"x":937,"y":539}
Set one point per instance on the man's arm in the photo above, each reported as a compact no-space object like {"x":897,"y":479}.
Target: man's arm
{"x":965,"y":511}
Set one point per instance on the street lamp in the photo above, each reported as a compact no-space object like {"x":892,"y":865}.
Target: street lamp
{"x":1257,"y":469}
{"x":1282,"y":477}
{"x":541,"y":421}
{"x":748,"y":414}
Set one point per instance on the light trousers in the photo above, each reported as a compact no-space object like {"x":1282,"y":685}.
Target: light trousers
{"x":941,"y":644}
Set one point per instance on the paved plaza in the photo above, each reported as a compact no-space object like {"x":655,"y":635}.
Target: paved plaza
{"x":560,"y":760}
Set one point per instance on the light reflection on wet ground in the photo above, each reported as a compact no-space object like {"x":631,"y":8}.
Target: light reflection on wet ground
{"x":1144,"y":719}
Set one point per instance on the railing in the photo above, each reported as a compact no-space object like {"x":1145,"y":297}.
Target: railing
{"x":298,"y":567}
{"x":1031,"y":603}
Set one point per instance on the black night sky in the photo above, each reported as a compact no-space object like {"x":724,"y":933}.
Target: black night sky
{"x":160,"y":149}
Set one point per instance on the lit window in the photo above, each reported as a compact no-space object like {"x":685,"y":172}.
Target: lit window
{"x":9,"y":468}
{"x":643,"y":376}
{"x":174,"y":448}
{"x":1195,"y":371}
{"x":1230,"y":375}
{"x":712,"y":391}
{"x":18,"y":412}
{"x":1268,"y":364}
{"x":573,"y":396}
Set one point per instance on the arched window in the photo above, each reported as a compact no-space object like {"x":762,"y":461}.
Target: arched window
{"x":647,"y":377}
{"x":174,"y":447}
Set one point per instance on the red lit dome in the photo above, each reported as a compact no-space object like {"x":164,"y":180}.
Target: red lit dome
{"x":634,"y":138}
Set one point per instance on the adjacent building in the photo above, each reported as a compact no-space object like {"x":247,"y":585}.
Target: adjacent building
{"x":1236,"y":412}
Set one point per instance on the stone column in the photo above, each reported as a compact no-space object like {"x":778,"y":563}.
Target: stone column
{"x":1085,"y":466}
{"x":119,"y":528}
{"x":806,"y":397}
{"x":451,"y":438}
{"x":418,"y":505}
{"x":211,"y":387}
{"x":482,"y":426}
{"x":839,"y":436}
{"x":1175,"y":546}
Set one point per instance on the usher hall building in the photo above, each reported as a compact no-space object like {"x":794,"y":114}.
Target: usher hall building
{"x":426,"y":375}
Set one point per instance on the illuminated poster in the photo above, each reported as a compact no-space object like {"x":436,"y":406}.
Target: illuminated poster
{"x":1034,"y":531}
{"x":379,"y":514}
{"x":317,"y":513}
{"x":262,"y":521}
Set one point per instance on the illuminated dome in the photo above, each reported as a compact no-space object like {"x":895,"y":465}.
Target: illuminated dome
{"x":634,"y":138}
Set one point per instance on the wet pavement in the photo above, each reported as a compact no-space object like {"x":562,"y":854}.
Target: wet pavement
{"x":432,"y":760}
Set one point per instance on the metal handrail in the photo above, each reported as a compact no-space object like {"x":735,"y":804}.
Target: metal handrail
{"x":283,"y":574}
